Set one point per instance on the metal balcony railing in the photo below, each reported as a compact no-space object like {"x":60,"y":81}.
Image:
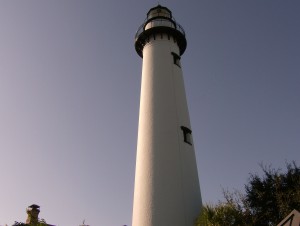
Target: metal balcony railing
{"x":159,"y":22}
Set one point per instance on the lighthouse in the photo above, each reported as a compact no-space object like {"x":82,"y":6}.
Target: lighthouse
{"x":166,"y":190}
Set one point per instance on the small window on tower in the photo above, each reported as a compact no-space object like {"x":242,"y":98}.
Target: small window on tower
{"x":187,"y":135}
{"x":176,"y":59}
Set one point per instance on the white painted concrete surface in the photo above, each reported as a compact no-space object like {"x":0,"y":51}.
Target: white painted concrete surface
{"x":166,"y":189}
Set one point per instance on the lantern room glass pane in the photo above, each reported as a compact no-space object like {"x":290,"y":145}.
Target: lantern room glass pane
{"x":159,"y":12}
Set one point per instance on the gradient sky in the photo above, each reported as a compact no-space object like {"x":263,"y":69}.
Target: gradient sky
{"x":69,"y":100}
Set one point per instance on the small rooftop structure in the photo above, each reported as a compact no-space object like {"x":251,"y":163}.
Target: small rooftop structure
{"x":33,"y":214}
{"x":33,"y":217}
{"x":83,"y":223}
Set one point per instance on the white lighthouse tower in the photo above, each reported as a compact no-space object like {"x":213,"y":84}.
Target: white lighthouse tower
{"x":167,"y":191}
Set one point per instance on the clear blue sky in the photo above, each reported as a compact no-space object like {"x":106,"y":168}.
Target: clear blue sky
{"x":69,"y":100}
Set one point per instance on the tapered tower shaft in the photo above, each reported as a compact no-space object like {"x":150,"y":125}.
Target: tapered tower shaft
{"x":166,"y":189}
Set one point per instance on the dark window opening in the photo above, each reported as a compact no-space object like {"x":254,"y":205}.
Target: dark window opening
{"x":187,"y":135}
{"x":176,"y":59}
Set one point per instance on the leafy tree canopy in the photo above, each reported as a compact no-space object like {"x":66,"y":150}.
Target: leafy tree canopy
{"x":266,"y":201}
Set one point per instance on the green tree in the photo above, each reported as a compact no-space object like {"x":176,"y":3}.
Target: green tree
{"x":273,"y":196}
{"x":266,"y":201}
{"x":220,"y":215}
{"x":230,"y":212}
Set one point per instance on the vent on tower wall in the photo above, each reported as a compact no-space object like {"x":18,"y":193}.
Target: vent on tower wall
{"x":187,"y":135}
{"x":176,"y":59}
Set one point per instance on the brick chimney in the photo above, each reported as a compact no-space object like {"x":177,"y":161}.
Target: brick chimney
{"x":33,"y":215}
